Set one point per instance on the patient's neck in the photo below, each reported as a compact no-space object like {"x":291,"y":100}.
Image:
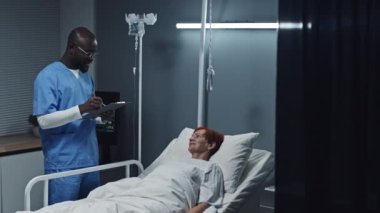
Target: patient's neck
{"x":201,"y":156}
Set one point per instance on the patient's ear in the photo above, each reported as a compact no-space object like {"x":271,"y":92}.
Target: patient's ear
{"x":211,"y":145}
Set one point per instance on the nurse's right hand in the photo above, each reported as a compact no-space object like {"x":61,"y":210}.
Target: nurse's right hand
{"x":91,"y":105}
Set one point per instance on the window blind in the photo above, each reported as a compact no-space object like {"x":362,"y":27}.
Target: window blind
{"x":29,"y":40}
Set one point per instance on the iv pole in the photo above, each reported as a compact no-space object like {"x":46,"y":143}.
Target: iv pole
{"x":137,"y":28}
{"x":201,"y":76}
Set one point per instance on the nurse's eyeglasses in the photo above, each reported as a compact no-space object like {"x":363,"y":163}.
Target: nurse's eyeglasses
{"x":88,"y":54}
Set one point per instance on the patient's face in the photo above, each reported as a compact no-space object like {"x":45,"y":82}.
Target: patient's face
{"x":198,"y":142}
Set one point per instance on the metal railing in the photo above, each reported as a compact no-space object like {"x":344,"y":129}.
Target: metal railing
{"x":48,"y":177}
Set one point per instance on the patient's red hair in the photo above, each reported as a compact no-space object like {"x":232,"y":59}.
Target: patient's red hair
{"x":212,"y":136}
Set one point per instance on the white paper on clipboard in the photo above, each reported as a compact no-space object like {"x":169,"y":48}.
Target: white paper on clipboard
{"x":111,"y":106}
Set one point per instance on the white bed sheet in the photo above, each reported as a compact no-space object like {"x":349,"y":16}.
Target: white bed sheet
{"x":153,"y":193}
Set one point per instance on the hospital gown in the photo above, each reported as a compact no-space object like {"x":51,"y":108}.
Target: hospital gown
{"x":174,"y":186}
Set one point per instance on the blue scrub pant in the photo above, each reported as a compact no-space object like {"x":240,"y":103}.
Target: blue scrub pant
{"x":71,"y":187}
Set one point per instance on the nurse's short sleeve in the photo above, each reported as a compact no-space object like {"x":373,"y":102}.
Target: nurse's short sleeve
{"x":45,"y":94}
{"x":211,"y":191}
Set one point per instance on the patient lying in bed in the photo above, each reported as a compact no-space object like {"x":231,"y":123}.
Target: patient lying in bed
{"x":177,"y":185}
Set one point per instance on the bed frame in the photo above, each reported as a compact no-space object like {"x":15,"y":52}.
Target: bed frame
{"x":45,"y":178}
{"x":245,"y":199}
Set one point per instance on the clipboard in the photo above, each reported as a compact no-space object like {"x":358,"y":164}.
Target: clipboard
{"x":110,"y":106}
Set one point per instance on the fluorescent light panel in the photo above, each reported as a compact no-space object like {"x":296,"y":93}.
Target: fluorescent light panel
{"x":229,"y":25}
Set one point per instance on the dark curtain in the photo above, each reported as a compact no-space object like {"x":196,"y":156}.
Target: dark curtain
{"x":328,"y":104}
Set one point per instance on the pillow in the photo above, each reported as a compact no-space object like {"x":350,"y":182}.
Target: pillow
{"x":260,"y":165}
{"x":231,"y":157}
{"x":176,"y":148}
{"x":179,"y":147}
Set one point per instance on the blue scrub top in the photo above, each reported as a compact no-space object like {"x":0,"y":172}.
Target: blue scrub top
{"x":75,"y":144}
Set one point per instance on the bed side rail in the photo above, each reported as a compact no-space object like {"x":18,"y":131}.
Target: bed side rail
{"x":46,"y":178}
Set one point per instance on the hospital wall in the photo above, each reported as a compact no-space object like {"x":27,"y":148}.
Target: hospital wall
{"x":245,"y":61}
{"x":243,"y":98}
{"x":73,"y":13}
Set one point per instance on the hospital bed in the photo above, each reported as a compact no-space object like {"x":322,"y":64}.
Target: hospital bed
{"x":244,"y":168}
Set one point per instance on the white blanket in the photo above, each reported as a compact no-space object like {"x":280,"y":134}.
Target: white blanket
{"x":175,"y":186}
